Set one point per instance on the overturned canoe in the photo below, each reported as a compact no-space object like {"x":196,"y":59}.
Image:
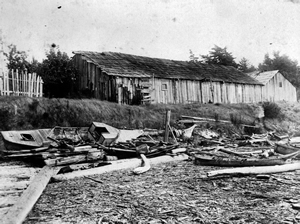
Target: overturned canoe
{"x":207,"y":160}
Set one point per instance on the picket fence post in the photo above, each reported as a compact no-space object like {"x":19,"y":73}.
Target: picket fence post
{"x":21,"y":83}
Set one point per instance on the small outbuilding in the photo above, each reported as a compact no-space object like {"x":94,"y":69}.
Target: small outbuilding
{"x":131,"y":79}
{"x":276,"y":87}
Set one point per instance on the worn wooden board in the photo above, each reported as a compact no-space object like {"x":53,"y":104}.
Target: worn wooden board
{"x":18,"y":212}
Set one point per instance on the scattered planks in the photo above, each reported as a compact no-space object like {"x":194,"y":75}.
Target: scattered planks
{"x":91,"y":155}
{"x":18,"y":212}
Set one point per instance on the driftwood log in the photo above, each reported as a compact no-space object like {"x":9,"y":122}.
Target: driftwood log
{"x":118,"y":165}
{"x":255,"y":170}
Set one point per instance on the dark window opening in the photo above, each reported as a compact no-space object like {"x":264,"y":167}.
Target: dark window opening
{"x":97,"y":132}
{"x":27,"y":137}
{"x":164,"y":87}
{"x":280,"y":84}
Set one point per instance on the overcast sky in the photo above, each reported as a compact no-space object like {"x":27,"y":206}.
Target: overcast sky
{"x":154,"y":28}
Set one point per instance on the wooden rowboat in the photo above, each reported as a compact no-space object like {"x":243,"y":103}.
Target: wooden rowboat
{"x":27,"y":139}
{"x":24,"y":140}
{"x":207,"y":160}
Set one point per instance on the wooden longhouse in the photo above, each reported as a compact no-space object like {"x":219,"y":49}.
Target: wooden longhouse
{"x":275,"y":86}
{"x":130,"y":79}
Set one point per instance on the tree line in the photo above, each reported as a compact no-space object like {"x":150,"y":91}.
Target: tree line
{"x":60,"y":75}
{"x":218,"y":55}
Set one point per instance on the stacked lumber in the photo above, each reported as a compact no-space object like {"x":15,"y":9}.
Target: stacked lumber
{"x":58,"y":156}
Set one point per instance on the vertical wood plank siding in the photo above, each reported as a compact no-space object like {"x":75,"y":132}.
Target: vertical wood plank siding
{"x":188,"y":91}
{"x":279,"y":88}
{"x":125,"y":90}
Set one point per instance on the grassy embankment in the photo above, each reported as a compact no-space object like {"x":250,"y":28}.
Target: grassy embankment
{"x":30,"y":113}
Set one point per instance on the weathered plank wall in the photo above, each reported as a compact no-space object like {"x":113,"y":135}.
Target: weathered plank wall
{"x":91,"y":80}
{"x":188,"y":91}
{"x":125,"y":90}
{"x":279,"y":88}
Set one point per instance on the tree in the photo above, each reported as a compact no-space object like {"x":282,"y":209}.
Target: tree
{"x":245,"y":66}
{"x":219,"y":56}
{"x":193,"y":58}
{"x":287,"y":66}
{"x":58,"y":73}
{"x":33,"y":66}
{"x":17,"y":60}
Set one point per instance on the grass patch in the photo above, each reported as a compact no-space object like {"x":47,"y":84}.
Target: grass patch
{"x":21,"y":113}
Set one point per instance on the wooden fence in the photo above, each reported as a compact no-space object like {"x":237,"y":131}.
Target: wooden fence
{"x":21,"y":84}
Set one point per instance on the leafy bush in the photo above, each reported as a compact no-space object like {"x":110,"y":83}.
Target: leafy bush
{"x":34,"y":105}
{"x":271,"y":110}
{"x":236,"y":119}
{"x":6,"y":118}
{"x":216,"y":117}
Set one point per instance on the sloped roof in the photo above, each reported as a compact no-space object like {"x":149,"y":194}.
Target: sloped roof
{"x":263,"y":77}
{"x":126,"y":65}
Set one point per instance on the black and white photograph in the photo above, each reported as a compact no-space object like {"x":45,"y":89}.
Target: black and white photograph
{"x":149,"y":111}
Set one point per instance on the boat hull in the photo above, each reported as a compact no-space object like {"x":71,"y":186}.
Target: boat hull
{"x":28,"y":139}
{"x":206,"y":160}
{"x":285,"y":149}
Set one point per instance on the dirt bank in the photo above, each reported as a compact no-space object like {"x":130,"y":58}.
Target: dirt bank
{"x":30,"y":113}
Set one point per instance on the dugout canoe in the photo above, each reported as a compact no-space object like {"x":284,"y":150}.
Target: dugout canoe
{"x":207,"y":160}
{"x":286,"y":149}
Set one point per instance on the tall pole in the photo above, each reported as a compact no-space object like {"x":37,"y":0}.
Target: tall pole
{"x":1,"y":55}
{"x":167,"y":125}
{"x":2,"y":64}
